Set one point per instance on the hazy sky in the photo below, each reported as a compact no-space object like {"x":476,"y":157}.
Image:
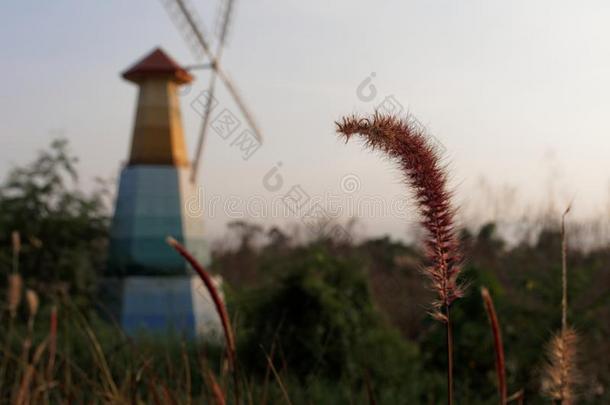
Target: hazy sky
{"x":517,"y":92}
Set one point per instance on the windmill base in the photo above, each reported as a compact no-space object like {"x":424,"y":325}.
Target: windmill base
{"x":163,"y":306}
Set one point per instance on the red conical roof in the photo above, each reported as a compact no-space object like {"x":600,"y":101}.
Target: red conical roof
{"x":157,"y":63}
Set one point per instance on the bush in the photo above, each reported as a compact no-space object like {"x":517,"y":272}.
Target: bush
{"x":63,"y":230}
{"x":317,"y":318}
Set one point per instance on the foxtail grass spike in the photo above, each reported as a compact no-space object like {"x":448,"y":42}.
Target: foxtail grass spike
{"x":33,"y":302}
{"x":560,"y":372}
{"x":16,"y":242}
{"x":15,"y":288}
{"x":423,"y":172}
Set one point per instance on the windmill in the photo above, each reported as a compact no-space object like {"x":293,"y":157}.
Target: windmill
{"x":187,"y":20}
{"x":149,"y":286}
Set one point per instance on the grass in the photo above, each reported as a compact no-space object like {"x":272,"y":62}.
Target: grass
{"x":498,"y":346}
{"x":424,"y":173}
{"x":561,"y":373}
{"x":74,"y":357}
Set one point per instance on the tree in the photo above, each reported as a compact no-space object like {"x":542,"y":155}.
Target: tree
{"x":63,"y":229}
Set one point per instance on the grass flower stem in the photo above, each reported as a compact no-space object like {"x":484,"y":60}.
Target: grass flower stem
{"x":564,"y":272}
{"x":498,"y":346}
{"x":219,"y":305}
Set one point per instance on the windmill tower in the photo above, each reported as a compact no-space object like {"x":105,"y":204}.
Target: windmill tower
{"x":150,"y":286}
{"x":157,"y":290}
{"x":155,"y":184}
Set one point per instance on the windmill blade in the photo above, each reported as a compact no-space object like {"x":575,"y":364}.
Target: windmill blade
{"x":187,"y":14}
{"x":204,"y":128}
{"x":225,"y":21}
{"x":228,"y":83}
{"x":226,"y":16}
{"x":198,"y":34}
{"x":240,"y":103}
{"x":180,"y":11}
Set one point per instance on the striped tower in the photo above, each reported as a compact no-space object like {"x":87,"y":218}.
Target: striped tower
{"x":152,"y":287}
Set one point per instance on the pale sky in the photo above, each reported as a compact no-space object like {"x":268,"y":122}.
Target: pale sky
{"x":517,"y":92}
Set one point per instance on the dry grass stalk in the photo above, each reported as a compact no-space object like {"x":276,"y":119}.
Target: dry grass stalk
{"x":110,"y":387}
{"x":16,"y":241}
{"x":33,"y":303}
{"x":219,"y":398}
{"x":271,"y":355}
{"x":564,"y":271}
{"x":517,"y":397}
{"x":498,"y":346}
{"x":167,"y":395}
{"x":31,"y":298}
{"x":52,"y":343}
{"x":278,"y":378}
{"x":421,"y":164}
{"x":23,"y":394}
{"x":15,"y":288}
{"x":369,"y":389}
{"x":560,"y":373}
{"x":35,"y":242}
{"x":152,"y":389}
{"x":187,"y":374}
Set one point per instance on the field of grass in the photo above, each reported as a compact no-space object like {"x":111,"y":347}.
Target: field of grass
{"x":322,"y":321}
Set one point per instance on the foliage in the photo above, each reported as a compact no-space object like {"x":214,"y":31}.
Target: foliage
{"x":317,"y":317}
{"x":63,"y":230}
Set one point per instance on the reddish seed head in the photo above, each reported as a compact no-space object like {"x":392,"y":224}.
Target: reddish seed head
{"x":420,"y":162}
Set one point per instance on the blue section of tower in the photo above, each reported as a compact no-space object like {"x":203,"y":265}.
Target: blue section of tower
{"x":158,"y":304}
{"x":148,"y":209}
{"x":150,"y":287}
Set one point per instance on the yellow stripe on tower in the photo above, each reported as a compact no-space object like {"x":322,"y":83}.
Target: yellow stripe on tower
{"x":158,"y":137}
